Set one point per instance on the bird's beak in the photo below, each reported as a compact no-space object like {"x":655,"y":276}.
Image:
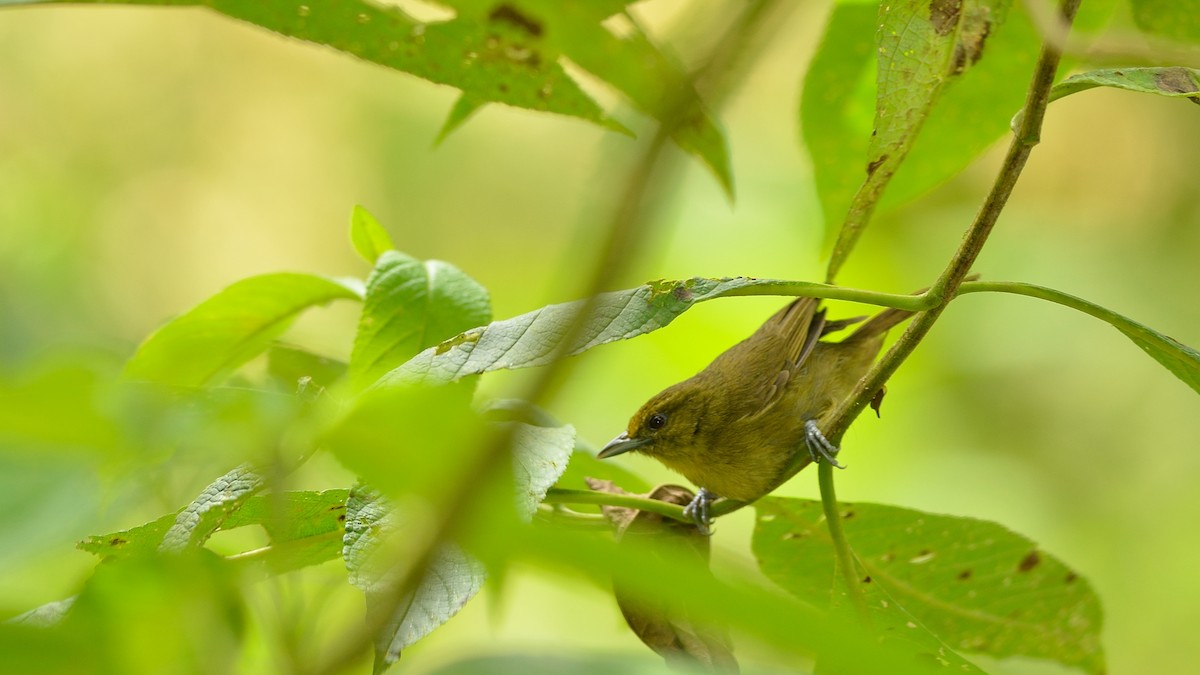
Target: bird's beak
{"x":622,"y":444}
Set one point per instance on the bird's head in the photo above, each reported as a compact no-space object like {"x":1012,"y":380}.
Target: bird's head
{"x":667,"y":427}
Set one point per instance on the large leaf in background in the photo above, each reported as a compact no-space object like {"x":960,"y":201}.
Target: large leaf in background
{"x":976,"y":585}
{"x":1173,"y":19}
{"x":231,"y":327}
{"x":411,"y":305}
{"x":922,"y":46}
{"x":495,"y":52}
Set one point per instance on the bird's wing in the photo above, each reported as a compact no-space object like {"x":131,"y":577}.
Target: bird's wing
{"x":786,"y":339}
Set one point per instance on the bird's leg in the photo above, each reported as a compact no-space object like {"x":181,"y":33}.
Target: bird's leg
{"x":697,"y":510}
{"x":818,"y":445}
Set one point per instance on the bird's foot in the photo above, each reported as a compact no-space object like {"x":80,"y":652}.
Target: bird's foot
{"x":697,"y":510}
{"x":819,"y":446}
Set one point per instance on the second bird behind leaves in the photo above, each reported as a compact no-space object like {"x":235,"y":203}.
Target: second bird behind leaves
{"x":733,"y":428}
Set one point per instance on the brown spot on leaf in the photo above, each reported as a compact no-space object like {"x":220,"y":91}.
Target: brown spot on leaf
{"x":1176,"y":81}
{"x":341,"y":518}
{"x":847,"y":514}
{"x":943,"y":14}
{"x":117,"y":541}
{"x":511,"y":15}
{"x":1071,"y":577}
{"x":874,"y":165}
{"x":867,"y":579}
{"x":1029,"y":562}
{"x":682,"y":294}
{"x":971,"y":39}
{"x":964,"y":575}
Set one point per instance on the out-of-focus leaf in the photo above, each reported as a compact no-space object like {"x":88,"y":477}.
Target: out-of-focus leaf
{"x":922,"y":46}
{"x":57,"y":407}
{"x":305,"y":528}
{"x":535,"y":339}
{"x":205,"y":515}
{"x":411,"y":305}
{"x":147,"y":615}
{"x":670,"y":629}
{"x":231,"y":327}
{"x":1173,"y":19}
{"x":452,"y":579}
{"x":299,"y":370}
{"x":540,"y":456}
{"x":975,"y":585}
{"x":506,"y":52}
{"x":49,"y":614}
{"x":1180,"y":359}
{"x":368,"y":236}
{"x":408,"y":438}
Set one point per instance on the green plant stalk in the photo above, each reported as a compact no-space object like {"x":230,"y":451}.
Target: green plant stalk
{"x":1043,"y":293}
{"x":562,"y":496}
{"x":841,"y":547}
{"x":913,"y":303}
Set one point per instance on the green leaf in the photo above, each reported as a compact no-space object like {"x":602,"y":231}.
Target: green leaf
{"x":540,"y":456}
{"x":411,"y":305}
{"x":976,"y":585}
{"x":408,"y":439}
{"x":223,"y":332}
{"x":508,"y":52}
{"x":1173,"y":19}
{"x":57,"y":407}
{"x":453,"y":577}
{"x":535,"y":339}
{"x":922,"y":47}
{"x":836,"y":107}
{"x":49,"y":614}
{"x":298,"y":370}
{"x":205,"y":515}
{"x":368,"y":236}
{"x":1180,"y":359}
{"x":1173,"y":81}
{"x":305,"y":527}
{"x":147,"y":615}
{"x":577,"y":664}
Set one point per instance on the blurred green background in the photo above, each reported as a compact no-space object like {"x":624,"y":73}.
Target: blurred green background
{"x":150,"y":157}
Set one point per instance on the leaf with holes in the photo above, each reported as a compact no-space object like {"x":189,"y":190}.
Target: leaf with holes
{"x":974,"y":584}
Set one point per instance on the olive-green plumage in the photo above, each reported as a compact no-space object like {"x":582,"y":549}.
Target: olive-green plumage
{"x":733,"y":427}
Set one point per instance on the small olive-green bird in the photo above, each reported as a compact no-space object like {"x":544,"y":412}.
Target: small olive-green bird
{"x":733,"y":428}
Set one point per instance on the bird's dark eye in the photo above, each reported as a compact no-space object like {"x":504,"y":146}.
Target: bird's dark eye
{"x":656,"y":422}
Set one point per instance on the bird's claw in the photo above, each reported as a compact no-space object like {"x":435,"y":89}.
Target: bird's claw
{"x":697,"y":510}
{"x":818,"y":446}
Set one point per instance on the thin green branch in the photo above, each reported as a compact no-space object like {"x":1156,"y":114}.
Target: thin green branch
{"x":841,"y":547}
{"x":1043,"y":293}
{"x":914,"y":303}
{"x":561,"y":496}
